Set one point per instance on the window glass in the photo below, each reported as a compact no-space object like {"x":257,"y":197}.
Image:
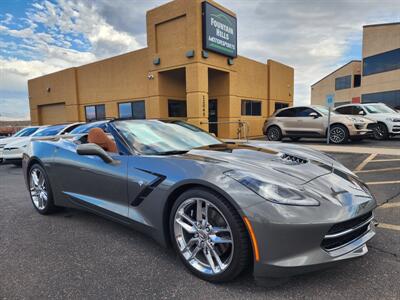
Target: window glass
{"x":345,"y":110}
{"x":323,"y":110}
{"x":286,"y":113}
{"x":390,"y":98}
{"x":343,"y":82}
{"x":51,"y":130}
{"x":177,"y":108}
{"x":357,"y":80}
{"x":279,"y":105}
{"x":357,"y":109}
{"x":251,"y":108}
{"x":303,"y":111}
{"x":85,"y":128}
{"x":139,"y":110}
{"x":157,"y":137}
{"x":382,"y":62}
{"x":90,"y":113}
{"x":379,"y":109}
{"x":125,"y":110}
{"x":100,"y":112}
{"x":26,"y":131}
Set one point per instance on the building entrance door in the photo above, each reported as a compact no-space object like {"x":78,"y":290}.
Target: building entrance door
{"x":213,"y":116}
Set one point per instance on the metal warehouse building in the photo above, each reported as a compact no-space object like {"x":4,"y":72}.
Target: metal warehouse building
{"x":190,"y":70}
{"x":374,"y":79}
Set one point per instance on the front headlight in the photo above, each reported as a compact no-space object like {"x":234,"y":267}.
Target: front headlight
{"x":272,"y":192}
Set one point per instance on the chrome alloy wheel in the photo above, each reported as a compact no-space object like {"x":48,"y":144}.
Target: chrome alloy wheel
{"x":38,"y":190}
{"x":337,"y":135}
{"x":273,"y":134}
{"x":203,"y":236}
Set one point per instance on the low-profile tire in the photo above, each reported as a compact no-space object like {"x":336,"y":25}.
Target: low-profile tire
{"x":196,"y":235}
{"x":381,"y":132}
{"x":40,"y":190}
{"x":295,"y":138}
{"x":274,"y":133}
{"x":339,"y":134}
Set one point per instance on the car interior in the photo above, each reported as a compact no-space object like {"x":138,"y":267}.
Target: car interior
{"x":99,"y":137}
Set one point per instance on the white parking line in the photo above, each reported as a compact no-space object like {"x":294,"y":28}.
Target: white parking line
{"x":389,"y":226}
{"x":383,"y":182}
{"x":390,"y":205}
{"x":378,"y":170}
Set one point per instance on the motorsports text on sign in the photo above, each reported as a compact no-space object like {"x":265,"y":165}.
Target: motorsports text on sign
{"x":219,"y":31}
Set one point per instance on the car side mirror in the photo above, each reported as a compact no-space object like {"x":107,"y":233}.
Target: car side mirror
{"x":361,"y":113}
{"x":93,"y":149}
{"x":314,"y":115}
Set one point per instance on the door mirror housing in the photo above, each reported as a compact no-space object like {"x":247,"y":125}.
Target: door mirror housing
{"x":314,"y":115}
{"x":361,"y":113}
{"x":93,"y":149}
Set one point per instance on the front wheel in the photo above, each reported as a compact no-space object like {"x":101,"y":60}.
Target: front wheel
{"x":338,"y":134}
{"x":209,"y":236}
{"x":40,"y":190}
{"x":381,"y":132}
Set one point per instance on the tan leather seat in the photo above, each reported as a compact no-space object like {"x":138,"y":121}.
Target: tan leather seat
{"x":99,"y":137}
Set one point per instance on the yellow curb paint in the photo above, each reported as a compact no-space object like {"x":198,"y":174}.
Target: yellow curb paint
{"x":365,"y":162}
{"x":389,"y":226}
{"x":385,"y":160}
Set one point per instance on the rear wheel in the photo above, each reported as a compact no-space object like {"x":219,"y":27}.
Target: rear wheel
{"x":381,"y":132}
{"x":274,"y":133}
{"x":338,"y":134}
{"x":209,"y":236}
{"x":40,"y":190}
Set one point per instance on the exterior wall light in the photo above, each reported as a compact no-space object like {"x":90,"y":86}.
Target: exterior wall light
{"x":156,"y":61}
{"x":190,"y":54}
{"x":204,"y":54}
{"x":150,"y":76}
{"x":230,"y":61}
{"x":48,"y":89}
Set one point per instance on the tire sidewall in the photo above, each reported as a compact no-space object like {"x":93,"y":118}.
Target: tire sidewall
{"x":346,"y":134}
{"x":50,"y":202}
{"x":232,"y":271}
{"x":279,"y":131}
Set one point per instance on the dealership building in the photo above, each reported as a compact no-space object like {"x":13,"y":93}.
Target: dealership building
{"x":190,"y":70}
{"x":375,"y":78}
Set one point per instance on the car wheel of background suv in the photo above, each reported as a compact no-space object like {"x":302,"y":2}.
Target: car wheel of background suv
{"x":338,"y":134}
{"x":381,"y":132}
{"x":274,"y":133}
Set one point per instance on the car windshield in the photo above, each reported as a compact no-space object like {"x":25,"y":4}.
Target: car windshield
{"x":50,"y":131}
{"x":26,"y":131}
{"x":85,"y":128}
{"x":379,"y":109}
{"x":161,"y":138}
{"x":323,"y":110}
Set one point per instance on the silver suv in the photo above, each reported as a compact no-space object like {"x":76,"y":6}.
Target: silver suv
{"x":312,"y":121}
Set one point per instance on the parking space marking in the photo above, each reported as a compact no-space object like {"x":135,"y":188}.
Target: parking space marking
{"x":365,"y":162}
{"x":390,"y":205}
{"x":377,"y":170}
{"x":383,"y":182}
{"x":385,"y":160}
{"x":389,"y":226}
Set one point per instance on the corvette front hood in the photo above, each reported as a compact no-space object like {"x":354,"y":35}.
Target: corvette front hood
{"x":289,"y":167}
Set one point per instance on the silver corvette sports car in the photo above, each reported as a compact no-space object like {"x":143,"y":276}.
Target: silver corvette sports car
{"x":277,"y":208}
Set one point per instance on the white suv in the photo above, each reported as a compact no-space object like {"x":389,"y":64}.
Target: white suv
{"x":388,"y":119}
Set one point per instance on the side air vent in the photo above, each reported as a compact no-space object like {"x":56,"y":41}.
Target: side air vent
{"x":292,"y":159}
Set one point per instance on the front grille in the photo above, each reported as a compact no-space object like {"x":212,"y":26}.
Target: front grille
{"x":371,"y":126}
{"x":342,"y":233}
{"x":359,"y":126}
{"x":291,"y":159}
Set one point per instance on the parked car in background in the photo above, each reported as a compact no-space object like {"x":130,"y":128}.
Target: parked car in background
{"x":312,"y":121}
{"x":388,"y":119}
{"x":12,"y":152}
{"x":21,"y":134}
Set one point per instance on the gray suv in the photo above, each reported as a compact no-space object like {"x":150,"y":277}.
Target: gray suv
{"x":312,"y":121}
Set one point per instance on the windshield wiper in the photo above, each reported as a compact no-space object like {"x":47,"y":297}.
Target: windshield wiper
{"x":172,"y":152}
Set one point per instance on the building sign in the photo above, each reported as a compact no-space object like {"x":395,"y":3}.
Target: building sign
{"x":219,"y":31}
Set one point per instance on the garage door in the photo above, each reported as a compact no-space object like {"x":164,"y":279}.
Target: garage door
{"x":52,"y":114}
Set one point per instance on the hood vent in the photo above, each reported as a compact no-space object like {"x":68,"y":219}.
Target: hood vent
{"x":292,"y":159}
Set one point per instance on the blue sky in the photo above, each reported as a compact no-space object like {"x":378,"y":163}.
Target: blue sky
{"x":43,"y":36}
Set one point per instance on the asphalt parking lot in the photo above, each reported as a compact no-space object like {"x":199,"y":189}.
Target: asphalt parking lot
{"x":75,"y":254}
